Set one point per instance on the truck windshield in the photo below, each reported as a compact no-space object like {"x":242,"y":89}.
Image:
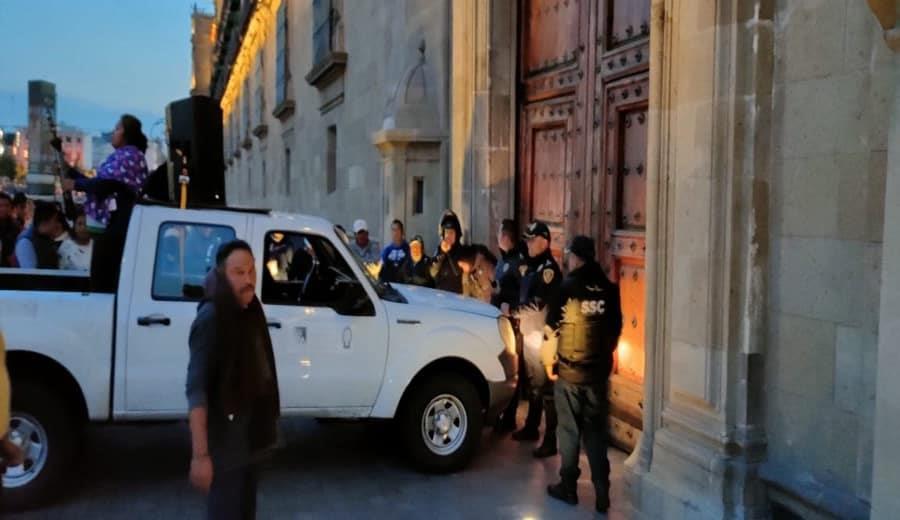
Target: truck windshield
{"x":383,"y":289}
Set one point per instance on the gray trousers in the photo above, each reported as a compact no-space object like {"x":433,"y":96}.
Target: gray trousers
{"x":583,"y":417}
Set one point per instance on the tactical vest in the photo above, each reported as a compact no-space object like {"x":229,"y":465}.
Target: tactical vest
{"x":589,"y":327}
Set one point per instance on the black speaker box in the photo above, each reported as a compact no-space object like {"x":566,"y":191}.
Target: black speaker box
{"x":194,"y":128}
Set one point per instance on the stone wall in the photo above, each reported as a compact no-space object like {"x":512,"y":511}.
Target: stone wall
{"x":381,"y":40}
{"x":831,"y":92}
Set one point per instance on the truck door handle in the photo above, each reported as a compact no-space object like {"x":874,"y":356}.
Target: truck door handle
{"x":274,"y":324}
{"x":154,"y":319}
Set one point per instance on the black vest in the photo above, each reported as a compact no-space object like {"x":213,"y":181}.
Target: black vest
{"x":589,"y":327}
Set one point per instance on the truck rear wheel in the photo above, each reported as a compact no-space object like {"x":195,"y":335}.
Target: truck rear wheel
{"x":50,"y":435}
{"x":441,"y":423}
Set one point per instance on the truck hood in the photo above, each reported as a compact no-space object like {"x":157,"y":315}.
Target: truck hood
{"x":425,"y":297}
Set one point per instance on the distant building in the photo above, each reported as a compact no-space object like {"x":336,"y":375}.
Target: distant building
{"x":155,"y":154}
{"x":203,"y":35}
{"x":41,"y":157}
{"x":101,"y":147}
{"x":77,"y":147}
{"x":15,"y":143}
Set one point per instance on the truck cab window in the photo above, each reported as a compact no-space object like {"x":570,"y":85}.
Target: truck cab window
{"x":307,"y":270}
{"x":185,"y":252}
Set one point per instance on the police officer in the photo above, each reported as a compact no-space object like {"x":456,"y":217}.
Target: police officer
{"x":505,"y":297}
{"x":582,"y":331}
{"x":445,"y":271}
{"x":539,"y":291}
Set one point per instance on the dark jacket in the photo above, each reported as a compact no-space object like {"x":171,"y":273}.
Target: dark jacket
{"x":588,"y":321}
{"x":507,"y":279}
{"x":9,"y":232}
{"x":45,"y":249}
{"x":420,"y":273}
{"x":540,"y":281}
{"x":447,"y":274}
{"x":235,"y":380}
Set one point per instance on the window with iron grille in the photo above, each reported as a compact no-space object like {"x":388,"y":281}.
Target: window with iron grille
{"x":245,"y":95}
{"x":282,"y":56}
{"x":287,"y":170}
{"x":260,"y":89}
{"x":331,"y":160}
{"x":328,"y":28}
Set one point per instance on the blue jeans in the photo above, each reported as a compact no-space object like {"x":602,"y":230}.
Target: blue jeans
{"x":583,"y":417}
{"x":232,"y":495}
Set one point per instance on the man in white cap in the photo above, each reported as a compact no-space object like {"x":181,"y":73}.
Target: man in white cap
{"x":369,"y":250}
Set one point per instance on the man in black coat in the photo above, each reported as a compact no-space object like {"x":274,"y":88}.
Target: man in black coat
{"x":582,"y":332}
{"x":232,"y":387}
{"x":445,"y":271}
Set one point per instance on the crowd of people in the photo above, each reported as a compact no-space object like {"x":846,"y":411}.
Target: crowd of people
{"x":454,"y":267}
{"x":567,"y":328}
{"x":36,"y":234}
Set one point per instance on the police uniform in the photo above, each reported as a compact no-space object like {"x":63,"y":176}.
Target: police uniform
{"x":507,"y":282}
{"x":539,"y":291}
{"x":507,"y":279}
{"x":583,"y":329}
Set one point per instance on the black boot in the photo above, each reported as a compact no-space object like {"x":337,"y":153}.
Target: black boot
{"x":602,"y":492}
{"x":545,"y":450}
{"x":565,"y":492}
{"x":602,"y":504}
{"x":505,"y":425}
{"x":527,"y":434}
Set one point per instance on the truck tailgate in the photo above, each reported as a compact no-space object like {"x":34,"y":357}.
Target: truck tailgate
{"x":73,"y":328}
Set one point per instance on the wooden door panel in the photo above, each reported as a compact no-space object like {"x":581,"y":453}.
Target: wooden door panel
{"x":629,"y":356}
{"x":622,"y":38}
{"x":633,"y":176}
{"x":552,"y":38}
{"x":625,"y":21}
{"x":547,"y":147}
{"x":621,"y":196}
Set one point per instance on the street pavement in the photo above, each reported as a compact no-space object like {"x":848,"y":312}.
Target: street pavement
{"x":327,"y":470}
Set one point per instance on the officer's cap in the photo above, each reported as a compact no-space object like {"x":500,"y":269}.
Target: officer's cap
{"x":537,"y":229}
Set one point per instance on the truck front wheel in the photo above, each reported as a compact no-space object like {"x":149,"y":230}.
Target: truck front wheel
{"x":441,"y":423}
{"x":49,"y":435}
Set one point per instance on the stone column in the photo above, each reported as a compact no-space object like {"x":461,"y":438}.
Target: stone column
{"x":709,"y":154}
{"x":886,"y":470}
{"x":482,"y":154}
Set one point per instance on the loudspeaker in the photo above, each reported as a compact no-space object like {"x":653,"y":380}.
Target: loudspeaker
{"x":194,"y":128}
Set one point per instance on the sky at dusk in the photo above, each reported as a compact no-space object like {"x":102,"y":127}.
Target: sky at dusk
{"x":106,"y":57}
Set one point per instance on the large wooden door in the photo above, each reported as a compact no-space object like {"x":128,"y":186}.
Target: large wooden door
{"x":584,"y":85}
{"x":552,"y":115}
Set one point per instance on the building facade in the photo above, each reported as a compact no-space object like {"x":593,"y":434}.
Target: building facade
{"x":303,"y":98}
{"x":101,"y":148}
{"x":15,"y":143}
{"x":77,"y":147}
{"x":41,"y":157}
{"x":202,"y":41}
{"x":737,"y":161}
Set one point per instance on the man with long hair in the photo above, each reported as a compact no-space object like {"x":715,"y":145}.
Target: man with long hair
{"x":232,"y":387}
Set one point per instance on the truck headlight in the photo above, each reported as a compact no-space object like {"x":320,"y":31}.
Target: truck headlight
{"x":507,"y":334}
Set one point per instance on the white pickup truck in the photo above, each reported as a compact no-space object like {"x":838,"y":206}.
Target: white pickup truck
{"x":346,"y":345}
